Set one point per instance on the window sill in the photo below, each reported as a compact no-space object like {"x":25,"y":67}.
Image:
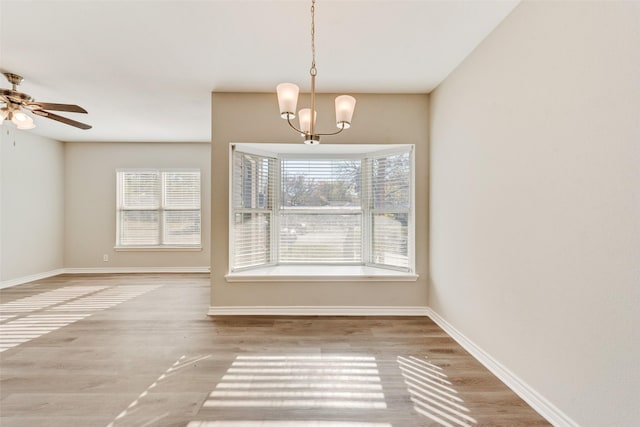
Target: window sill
{"x":157,"y":248}
{"x":320,"y":273}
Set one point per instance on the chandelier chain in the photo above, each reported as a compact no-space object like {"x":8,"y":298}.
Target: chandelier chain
{"x":313,"y":70}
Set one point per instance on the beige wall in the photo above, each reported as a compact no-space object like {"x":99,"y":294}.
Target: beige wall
{"x":535,"y":209}
{"x":31,"y":204}
{"x":90,"y":202}
{"x":379,"y":119}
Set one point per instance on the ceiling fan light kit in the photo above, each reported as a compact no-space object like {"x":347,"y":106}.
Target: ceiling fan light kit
{"x":17,"y":103}
{"x":20,"y":119}
{"x":288,"y":100}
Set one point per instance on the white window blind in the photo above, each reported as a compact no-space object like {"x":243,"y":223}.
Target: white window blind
{"x":252,"y":209}
{"x":158,"y":208}
{"x":389,"y":188}
{"x":320,"y":212}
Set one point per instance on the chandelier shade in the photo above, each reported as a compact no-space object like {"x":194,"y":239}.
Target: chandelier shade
{"x":287,"y":99}
{"x":345,"y":105}
{"x":304,"y":116}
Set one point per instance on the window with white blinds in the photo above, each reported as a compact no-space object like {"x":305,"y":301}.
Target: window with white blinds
{"x":158,"y":208}
{"x":252,"y":200}
{"x":389,"y":188}
{"x":333,"y":210}
{"x":320,"y":211}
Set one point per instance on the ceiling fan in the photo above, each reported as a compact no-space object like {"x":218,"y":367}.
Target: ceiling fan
{"x":16,"y":103}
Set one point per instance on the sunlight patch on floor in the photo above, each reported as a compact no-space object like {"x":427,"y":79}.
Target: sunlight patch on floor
{"x":19,"y":331}
{"x":106,"y":299}
{"x":179,"y":364}
{"x":432,"y":394}
{"x":62,"y":307}
{"x":300,"y":381}
{"x":47,"y":299}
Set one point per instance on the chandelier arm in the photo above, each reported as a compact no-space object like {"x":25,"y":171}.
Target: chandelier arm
{"x":329,"y":134}
{"x":292,"y":126}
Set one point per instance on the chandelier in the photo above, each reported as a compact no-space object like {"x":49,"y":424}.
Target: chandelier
{"x":288,"y":100}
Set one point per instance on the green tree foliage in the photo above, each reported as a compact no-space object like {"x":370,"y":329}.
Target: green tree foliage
{"x":312,"y":186}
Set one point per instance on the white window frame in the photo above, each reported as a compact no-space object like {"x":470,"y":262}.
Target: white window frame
{"x":233,"y":210}
{"x":410,"y":211}
{"x":395,"y":273}
{"x":317,"y":211}
{"x":161,"y":209}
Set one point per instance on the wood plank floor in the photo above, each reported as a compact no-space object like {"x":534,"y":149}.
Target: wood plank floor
{"x":139,"y":350}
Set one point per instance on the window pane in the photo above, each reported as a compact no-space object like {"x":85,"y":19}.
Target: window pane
{"x":320,"y":183}
{"x":139,"y":228}
{"x":182,"y":227}
{"x":252,"y":181}
{"x":252,"y":239}
{"x":182,"y":190}
{"x":390,"y":182}
{"x":390,"y":239}
{"x":320,"y":238}
{"x":140,"y":189}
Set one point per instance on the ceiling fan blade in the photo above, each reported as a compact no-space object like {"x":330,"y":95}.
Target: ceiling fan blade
{"x":61,"y":119}
{"x":56,"y":107}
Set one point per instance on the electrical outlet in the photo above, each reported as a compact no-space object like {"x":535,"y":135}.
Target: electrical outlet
{"x":105,"y":258}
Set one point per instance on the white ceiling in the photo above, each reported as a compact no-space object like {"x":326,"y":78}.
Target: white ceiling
{"x":145,"y":69}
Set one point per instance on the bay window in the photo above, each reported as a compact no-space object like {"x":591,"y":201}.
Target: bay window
{"x":326,"y":205}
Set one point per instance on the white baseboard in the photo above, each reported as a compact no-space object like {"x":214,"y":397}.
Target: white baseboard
{"x":538,"y":402}
{"x":115,"y":270}
{"x":30,"y":278}
{"x":112,"y":270}
{"x":316,"y":311}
